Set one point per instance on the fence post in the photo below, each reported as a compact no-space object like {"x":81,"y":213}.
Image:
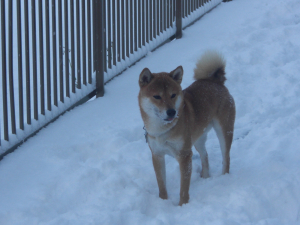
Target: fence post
{"x":178,"y":19}
{"x":99,"y":32}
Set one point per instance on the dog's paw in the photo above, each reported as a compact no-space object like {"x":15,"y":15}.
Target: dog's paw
{"x":163,"y":195}
{"x":204,"y":174}
{"x":183,"y":201}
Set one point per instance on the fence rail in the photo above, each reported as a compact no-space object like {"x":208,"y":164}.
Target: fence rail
{"x":55,"y":53}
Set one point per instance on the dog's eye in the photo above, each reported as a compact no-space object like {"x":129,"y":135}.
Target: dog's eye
{"x":173,"y":95}
{"x":156,"y":97}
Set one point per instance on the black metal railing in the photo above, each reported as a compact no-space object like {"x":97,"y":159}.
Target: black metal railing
{"x":55,"y":53}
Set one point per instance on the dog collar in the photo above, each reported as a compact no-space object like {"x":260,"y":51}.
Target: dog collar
{"x":146,"y":134}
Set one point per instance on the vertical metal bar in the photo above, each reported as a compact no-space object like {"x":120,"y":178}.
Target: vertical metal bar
{"x":78,"y":45}
{"x":105,"y":35}
{"x":10,"y":67}
{"x":166,"y":14}
{"x":181,"y":8}
{"x":174,"y":11}
{"x":41,"y":41}
{"x":147,"y":21}
{"x":127,"y":27}
{"x":48,"y":56}
{"x":155,"y":19}
{"x":114,"y":32}
{"x":135,"y":25}
{"x":172,"y":6}
{"x":89,"y":42}
{"x":99,"y":33}
{"x":83,"y":44}
{"x":109,"y":33}
{"x":67,"y":48}
{"x":54,"y":55}
{"x":178,"y":19}
{"x":186,"y":8}
{"x":60,"y":53}
{"x":4,"y":80}
{"x":162,"y":14}
{"x":119,"y":32}
{"x":72,"y":51}
{"x":28,"y":100}
{"x":139,"y":19}
{"x":131,"y":26}
{"x":192,"y":6}
{"x":20,"y":71}
{"x":34,"y":63}
{"x":96,"y":38}
{"x":109,"y":44}
{"x":143,"y":23}
{"x":151,"y":19}
{"x":169,"y":17}
{"x":123,"y":28}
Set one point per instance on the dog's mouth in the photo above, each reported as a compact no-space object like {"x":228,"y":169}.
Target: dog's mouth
{"x":169,"y":119}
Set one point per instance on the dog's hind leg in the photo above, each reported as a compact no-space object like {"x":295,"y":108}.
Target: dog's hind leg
{"x":225,"y":135}
{"x":160,"y":171}
{"x":200,"y":147}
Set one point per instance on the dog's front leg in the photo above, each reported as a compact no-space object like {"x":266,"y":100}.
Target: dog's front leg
{"x":185,"y":164}
{"x":160,"y":171}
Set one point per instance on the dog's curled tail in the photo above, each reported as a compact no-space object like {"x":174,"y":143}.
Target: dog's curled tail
{"x":211,"y":66}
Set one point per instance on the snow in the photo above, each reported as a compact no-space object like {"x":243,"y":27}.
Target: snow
{"x":93,"y":166}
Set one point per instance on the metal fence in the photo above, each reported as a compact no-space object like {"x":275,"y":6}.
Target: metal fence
{"x":56,"y":53}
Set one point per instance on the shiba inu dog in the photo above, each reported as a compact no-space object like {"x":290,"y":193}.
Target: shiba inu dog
{"x":177,"y":119}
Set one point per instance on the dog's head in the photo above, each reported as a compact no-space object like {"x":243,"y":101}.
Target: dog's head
{"x":160,"y":96}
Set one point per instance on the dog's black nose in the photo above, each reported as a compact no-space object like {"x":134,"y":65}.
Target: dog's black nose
{"x":171,"y":112}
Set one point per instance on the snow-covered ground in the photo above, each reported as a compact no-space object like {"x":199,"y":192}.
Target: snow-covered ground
{"x":92,"y":166}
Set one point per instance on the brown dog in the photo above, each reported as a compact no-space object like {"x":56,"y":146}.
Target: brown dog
{"x":176,"y":119}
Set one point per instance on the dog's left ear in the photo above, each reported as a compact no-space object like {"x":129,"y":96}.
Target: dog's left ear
{"x":177,"y":74}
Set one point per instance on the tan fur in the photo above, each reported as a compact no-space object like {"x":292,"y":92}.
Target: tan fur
{"x":177,"y":119}
{"x":209,"y":64}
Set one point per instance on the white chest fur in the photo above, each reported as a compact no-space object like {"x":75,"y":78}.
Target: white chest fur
{"x":162,"y":145}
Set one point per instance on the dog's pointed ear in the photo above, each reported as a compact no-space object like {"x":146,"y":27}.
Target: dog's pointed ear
{"x":177,"y":74}
{"x":145,"y":77}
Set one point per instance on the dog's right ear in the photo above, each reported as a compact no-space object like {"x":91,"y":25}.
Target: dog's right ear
{"x":145,"y":77}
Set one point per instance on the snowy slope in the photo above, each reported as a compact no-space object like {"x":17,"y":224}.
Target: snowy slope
{"x":92,"y":166}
